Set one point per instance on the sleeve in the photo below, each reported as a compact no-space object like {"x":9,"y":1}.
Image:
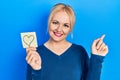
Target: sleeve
{"x":91,"y":67}
{"x":28,"y":76}
{"x":94,"y":68}
{"x":33,"y":74}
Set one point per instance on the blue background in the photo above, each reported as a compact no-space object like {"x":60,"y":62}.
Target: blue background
{"x":93,"y":18}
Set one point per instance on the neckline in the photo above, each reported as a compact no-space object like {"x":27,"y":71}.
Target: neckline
{"x":55,"y":54}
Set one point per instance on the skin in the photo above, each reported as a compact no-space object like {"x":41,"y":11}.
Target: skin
{"x":99,"y":47}
{"x":58,"y":30}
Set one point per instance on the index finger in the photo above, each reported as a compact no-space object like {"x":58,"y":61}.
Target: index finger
{"x":102,"y":37}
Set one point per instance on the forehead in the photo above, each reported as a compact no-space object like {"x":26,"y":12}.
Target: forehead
{"x":61,"y":16}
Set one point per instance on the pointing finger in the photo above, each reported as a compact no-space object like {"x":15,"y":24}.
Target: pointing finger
{"x":102,"y":37}
{"x":99,"y":43}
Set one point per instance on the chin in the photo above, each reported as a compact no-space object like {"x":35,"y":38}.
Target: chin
{"x":57,"y":39}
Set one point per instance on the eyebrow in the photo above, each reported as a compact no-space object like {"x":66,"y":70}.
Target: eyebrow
{"x":64,"y":23}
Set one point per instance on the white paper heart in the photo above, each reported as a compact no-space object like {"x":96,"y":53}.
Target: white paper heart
{"x":28,"y":39}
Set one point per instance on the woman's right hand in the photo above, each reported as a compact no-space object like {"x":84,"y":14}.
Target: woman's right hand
{"x":33,"y":58}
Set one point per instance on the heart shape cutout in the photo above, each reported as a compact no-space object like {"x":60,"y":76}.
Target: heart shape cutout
{"x":28,"y":39}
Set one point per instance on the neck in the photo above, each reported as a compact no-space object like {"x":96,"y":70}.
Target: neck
{"x":55,"y":43}
{"x":57,"y":47}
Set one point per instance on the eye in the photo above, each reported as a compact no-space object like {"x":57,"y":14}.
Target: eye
{"x":55,"y":22}
{"x":66,"y":25}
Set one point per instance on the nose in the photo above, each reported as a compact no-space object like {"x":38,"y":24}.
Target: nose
{"x":59,"y":28}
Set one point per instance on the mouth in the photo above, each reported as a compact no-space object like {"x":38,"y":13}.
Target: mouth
{"x":57,"y":34}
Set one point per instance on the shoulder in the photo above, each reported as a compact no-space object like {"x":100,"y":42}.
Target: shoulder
{"x":40,"y":48}
{"x":80,"y":49}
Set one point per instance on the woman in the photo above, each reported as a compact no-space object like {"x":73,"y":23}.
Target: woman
{"x":58,"y":59}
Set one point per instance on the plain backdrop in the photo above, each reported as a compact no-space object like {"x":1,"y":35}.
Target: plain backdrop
{"x":93,"y":18}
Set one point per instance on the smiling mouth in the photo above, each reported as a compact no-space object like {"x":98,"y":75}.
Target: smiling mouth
{"x":57,"y":34}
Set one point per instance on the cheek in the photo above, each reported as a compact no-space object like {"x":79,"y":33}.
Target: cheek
{"x":66,"y":31}
{"x":52,"y":27}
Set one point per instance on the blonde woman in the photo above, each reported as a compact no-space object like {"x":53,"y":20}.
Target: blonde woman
{"x":58,"y":59}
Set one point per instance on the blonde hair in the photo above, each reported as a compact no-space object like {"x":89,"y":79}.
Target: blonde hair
{"x":68,"y":9}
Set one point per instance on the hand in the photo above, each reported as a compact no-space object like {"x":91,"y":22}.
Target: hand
{"x":33,"y":58}
{"x":99,"y":47}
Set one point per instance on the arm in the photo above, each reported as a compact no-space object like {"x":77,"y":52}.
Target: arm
{"x":29,"y":71}
{"x":34,"y":64}
{"x":92,"y":67}
{"x":33,"y":74}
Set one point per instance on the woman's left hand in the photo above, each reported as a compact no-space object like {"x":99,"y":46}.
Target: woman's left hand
{"x":99,"y":47}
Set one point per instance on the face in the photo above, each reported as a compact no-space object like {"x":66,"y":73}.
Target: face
{"x":59,"y":26}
